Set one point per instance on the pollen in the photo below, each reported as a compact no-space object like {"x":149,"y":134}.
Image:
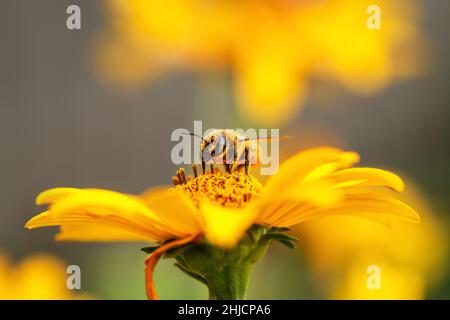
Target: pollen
{"x":234,"y":190}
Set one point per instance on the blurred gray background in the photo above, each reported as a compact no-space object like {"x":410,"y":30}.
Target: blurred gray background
{"x":60,"y":126}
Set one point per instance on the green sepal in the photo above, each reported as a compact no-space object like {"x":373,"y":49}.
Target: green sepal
{"x":256,"y":232}
{"x":288,"y":244}
{"x":191,"y":274}
{"x":279,"y":229}
{"x":226,"y":272}
{"x":149,"y":250}
{"x":174,"y":252}
{"x":283,"y":238}
{"x":169,"y":253}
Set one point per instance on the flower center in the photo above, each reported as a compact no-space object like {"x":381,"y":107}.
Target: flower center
{"x":232,"y":190}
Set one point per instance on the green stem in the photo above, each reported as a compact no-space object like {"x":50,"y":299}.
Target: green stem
{"x":230,"y":282}
{"x":226,"y":273}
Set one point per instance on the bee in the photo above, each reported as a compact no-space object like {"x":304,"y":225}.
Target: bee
{"x":233,"y":150}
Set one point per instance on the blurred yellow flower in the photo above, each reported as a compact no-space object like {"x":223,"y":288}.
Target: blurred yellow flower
{"x":410,"y":257}
{"x":37,"y":277}
{"x":221,"y":207}
{"x":273,"y":48}
{"x":397,"y":283}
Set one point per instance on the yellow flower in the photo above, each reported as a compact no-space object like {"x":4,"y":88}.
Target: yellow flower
{"x":411,"y":257}
{"x":218,"y":208}
{"x":272,"y":48}
{"x":40,"y":276}
{"x":396,"y":282}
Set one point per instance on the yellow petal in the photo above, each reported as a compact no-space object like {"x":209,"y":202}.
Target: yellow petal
{"x":269,"y":95}
{"x":367,"y":177}
{"x":366,"y":205}
{"x":311,"y":195}
{"x":96,"y":232}
{"x":224,"y":227}
{"x":152,"y":260}
{"x":39,"y":276}
{"x":378,"y":203}
{"x":322,"y":171}
{"x":269,"y":82}
{"x":295,"y":169}
{"x":54,"y":194}
{"x":101,"y":207}
{"x":176,"y":210}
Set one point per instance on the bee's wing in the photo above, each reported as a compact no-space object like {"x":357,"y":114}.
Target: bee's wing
{"x":254,"y":145}
{"x":266,"y":139}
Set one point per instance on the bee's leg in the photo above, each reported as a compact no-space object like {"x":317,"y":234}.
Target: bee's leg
{"x":211,"y":166}
{"x":227,"y":165}
{"x":235,"y":154}
{"x":202,"y":150}
{"x":203,"y":163}
{"x":226,"y":157}
{"x":247,"y":156}
{"x":180,"y":180}
{"x":194,"y":169}
{"x":182,"y":176}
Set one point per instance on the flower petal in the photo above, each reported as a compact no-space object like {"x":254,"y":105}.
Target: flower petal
{"x":54,"y":194}
{"x":152,"y":260}
{"x":366,"y":205}
{"x":268,"y":84}
{"x":97,"y":206}
{"x":293,"y":171}
{"x":311,"y":195}
{"x":224,"y":227}
{"x":367,"y":177}
{"x":96,"y":232}
{"x":176,"y":210}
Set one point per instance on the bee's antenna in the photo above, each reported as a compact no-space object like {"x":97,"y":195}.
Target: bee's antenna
{"x":194,"y":135}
